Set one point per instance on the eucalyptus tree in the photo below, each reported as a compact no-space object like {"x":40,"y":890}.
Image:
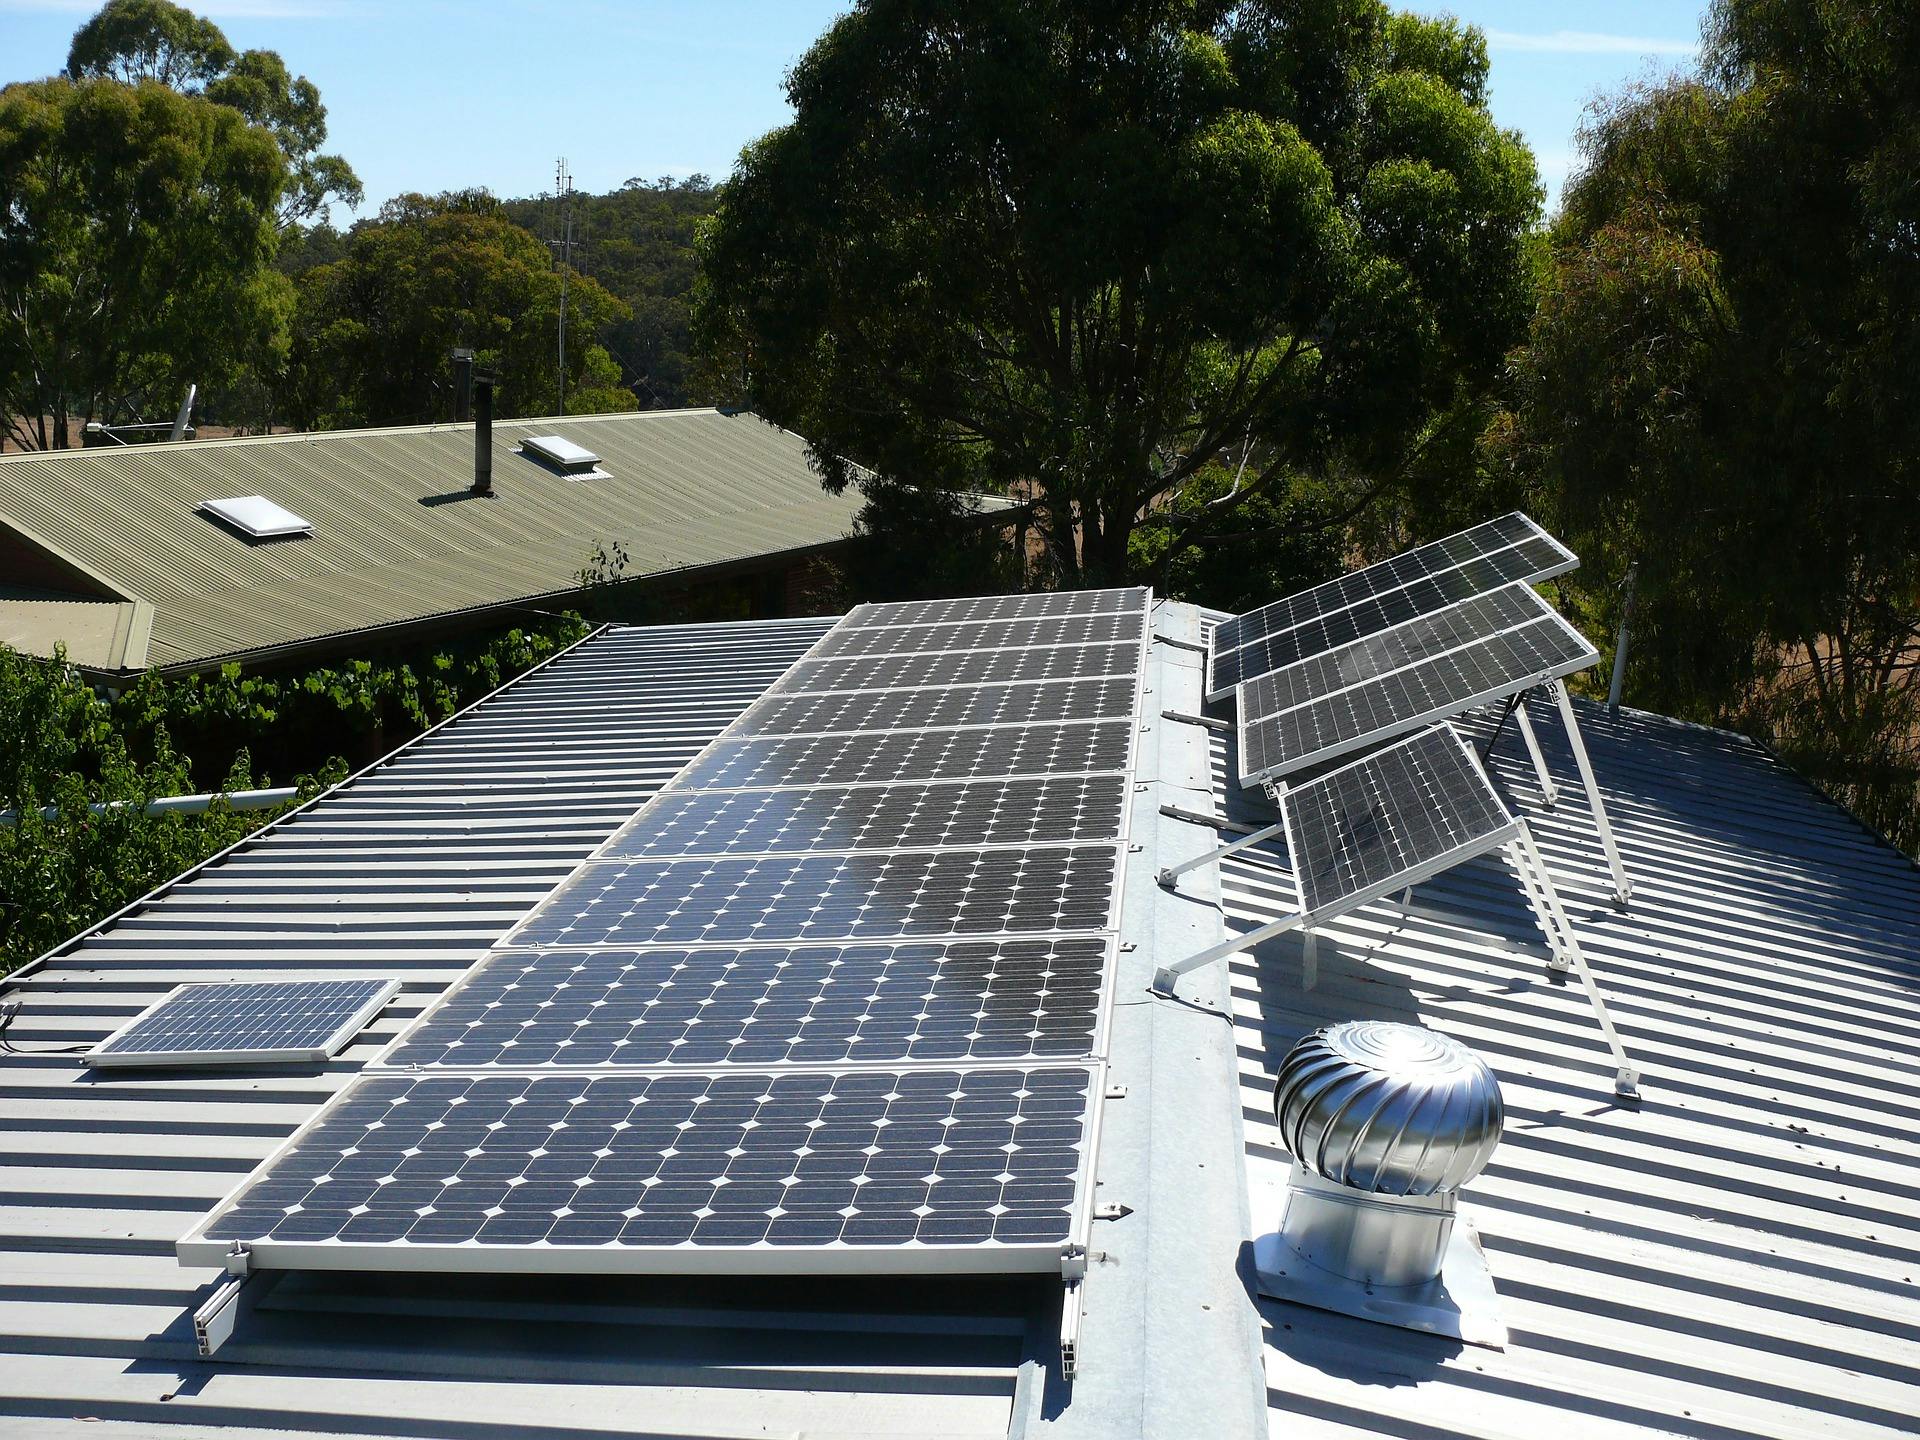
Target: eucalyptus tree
{"x":1083,"y":249}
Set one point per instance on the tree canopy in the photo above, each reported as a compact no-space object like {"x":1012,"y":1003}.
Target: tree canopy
{"x":373,"y":328}
{"x":1090,"y":248}
{"x":135,"y":40}
{"x":135,"y":254}
{"x":1720,"y":385}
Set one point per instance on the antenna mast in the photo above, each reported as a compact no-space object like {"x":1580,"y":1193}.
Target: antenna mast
{"x":563,"y":193}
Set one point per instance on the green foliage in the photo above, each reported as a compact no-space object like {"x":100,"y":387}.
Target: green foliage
{"x":62,"y":744}
{"x":1720,"y":386}
{"x":1087,"y":250}
{"x":1273,"y":549}
{"x":638,"y":242}
{"x":135,"y":40}
{"x":373,"y":328}
{"x":911,"y":544}
{"x":135,"y":255}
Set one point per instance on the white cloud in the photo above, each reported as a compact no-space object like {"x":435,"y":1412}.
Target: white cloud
{"x":1588,"y":42}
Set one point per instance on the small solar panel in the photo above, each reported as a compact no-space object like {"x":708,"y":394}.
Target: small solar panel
{"x":272,"y":1022}
{"x":769,"y":1005}
{"x":996,"y":607}
{"x":826,"y":897}
{"x":1109,"y":697}
{"x":960,"y":667}
{"x":910,"y":755}
{"x":1524,"y":562}
{"x":1509,"y":531}
{"x":1434,"y":689}
{"x":996,"y":635}
{"x":876,"y":817}
{"x":667,"y":1172}
{"x":1384,"y":822}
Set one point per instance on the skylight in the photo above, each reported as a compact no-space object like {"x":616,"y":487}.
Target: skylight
{"x":576,"y":462}
{"x":256,"y":516}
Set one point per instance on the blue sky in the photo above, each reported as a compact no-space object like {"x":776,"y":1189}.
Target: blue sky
{"x":435,"y":94}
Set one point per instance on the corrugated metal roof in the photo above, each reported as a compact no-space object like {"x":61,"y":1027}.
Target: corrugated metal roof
{"x":395,"y":535}
{"x":411,"y":870}
{"x":1737,"y":1255}
{"x":103,"y":634}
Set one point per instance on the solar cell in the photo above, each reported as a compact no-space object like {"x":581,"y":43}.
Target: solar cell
{"x":660,"y":1172}
{"x":1458,"y":625}
{"x":270,"y":1022}
{"x":960,"y":667}
{"x":769,"y":1005}
{"x":987,"y":608}
{"x":1363,"y":829}
{"x":875,"y":817}
{"x":910,"y":755}
{"x":1357,"y":585}
{"x":824,"y":897}
{"x":1280,"y":648}
{"x":1392,"y":704}
{"x":997,"y":635}
{"x":1110,"y":697}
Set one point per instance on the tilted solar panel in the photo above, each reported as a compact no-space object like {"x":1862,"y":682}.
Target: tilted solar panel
{"x":268,"y":1022}
{"x":1430,"y":560}
{"x":1384,"y":822}
{"x":1529,"y":561}
{"x":1276,"y":744}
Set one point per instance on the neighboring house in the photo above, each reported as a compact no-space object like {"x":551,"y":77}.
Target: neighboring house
{"x":1734,"y":1256}
{"x":109,"y":551}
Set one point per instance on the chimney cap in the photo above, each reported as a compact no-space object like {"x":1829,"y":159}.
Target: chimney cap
{"x":1388,"y":1108}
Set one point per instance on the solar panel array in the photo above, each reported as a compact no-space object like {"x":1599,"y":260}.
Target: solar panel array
{"x":267,"y":1022}
{"x":1377,"y":597}
{"x":1428,"y":669}
{"x":1380,"y":823}
{"x":833,"y":1000}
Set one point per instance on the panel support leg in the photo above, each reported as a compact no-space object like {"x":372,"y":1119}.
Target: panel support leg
{"x":1622,"y":887}
{"x":1309,"y":958}
{"x":1170,"y":873}
{"x":1167,"y":976}
{"x":1530,"y":882}
{"x":1626,"y":1080}
{"x":1549,"y":791}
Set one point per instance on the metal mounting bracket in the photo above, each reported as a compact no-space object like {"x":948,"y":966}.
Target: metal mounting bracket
{"x":214,"y":1320}
{"x":1205,"y":721}
{"x":1178,"y":644}
{"x":1170,"y":873}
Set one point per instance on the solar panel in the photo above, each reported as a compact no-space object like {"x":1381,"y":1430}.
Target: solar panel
{"x":876,"y":817}
{"x":960,"y":667}
{"x":676,"y":1172}
{"x":1524,"y":562}
{"x":924,"y":894}
{"x":1451,"y":629}
{"x":1110,"y":697}
{"x":997,"y":635}
{"x":979,"y":1000}
{"x":910,"y":755}
{"x":996,"y":607}
{"x":272,"y":1022}
{"x":1385,"y":822}
{"x":1509,"y":531}
{"x":1434,"y":689}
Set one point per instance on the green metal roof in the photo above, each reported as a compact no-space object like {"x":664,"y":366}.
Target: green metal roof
{"x":395,"y":536}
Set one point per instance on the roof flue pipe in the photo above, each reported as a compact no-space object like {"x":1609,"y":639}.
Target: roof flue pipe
{"x":482,"y":433}
{"x":462,"y":385}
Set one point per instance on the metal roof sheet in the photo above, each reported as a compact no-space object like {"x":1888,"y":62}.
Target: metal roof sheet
{"x":1735,"y":1256}
{"x":396,"y":535}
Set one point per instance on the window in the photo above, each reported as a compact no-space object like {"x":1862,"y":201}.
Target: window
{"x":256,"y":517}
{"x":576,"y":462}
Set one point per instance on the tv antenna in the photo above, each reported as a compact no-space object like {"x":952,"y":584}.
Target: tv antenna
{"x":563,"y":195}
